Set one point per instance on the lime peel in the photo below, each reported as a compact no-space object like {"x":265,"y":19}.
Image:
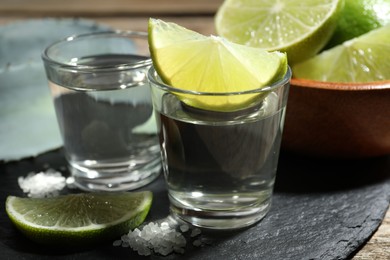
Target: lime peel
{"x":359,"y":17}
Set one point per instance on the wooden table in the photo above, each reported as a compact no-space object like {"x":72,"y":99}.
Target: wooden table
{"x":133,"y":15}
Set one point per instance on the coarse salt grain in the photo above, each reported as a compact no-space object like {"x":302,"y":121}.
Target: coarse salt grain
{"x":117,"y":243}
{"x":195,"y":232}
{"x":184,"y":228}
{"x":42,"y":184}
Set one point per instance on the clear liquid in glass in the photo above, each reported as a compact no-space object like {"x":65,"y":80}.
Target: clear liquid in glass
{"x":220,"y":167}
{"x":108,"y":126}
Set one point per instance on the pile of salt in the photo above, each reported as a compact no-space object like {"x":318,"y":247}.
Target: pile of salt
{"x":42,"y":184}
{"x":154,"y":238}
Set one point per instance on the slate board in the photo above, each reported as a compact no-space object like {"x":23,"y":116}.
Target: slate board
{"x":322,"y":209}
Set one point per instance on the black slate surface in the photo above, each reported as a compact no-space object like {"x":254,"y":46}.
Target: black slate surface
{"x":322,"y":209}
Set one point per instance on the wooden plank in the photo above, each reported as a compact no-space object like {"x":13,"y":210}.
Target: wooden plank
{"x":204,"y":25}
{"x":378,"y":247}
{"x":107,"y":8}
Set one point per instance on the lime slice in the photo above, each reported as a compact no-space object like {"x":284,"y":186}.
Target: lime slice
{"x":190,"y":61}
{"x":78,"y":219}
{"x":359,"y":17}
{"x":300,"y":28}
{"x":363,"y":59}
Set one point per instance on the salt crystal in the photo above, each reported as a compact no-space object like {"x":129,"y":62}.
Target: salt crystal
{"x":144,"y":251}
{"x":165,"y":226}
{"x":184,"y":228}
{"x":125,"y":238}
{"x":42,"y":184}
{"x":197,"y":243}
{"x":195,"y":232}
{"x":117,"y":243}
{"x":136,"y":232}
{"x":125,"y":244}
{"x":71,"y":182}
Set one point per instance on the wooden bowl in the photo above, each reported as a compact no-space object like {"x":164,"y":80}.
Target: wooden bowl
{"x":347,"y":120}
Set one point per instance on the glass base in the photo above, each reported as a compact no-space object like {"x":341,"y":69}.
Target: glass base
{"x":115,"y":178}
{"x":220,"y":219}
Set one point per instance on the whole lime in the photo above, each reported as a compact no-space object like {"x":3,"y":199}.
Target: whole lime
{"x":359,"y":17}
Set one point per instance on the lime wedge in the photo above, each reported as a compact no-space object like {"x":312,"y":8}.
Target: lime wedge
{"x":362,"y":59}
{"x":300,"y":28}
{"x":190,"y":61}
{"x":78,"y":219}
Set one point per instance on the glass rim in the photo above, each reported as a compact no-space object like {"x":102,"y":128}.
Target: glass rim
{"x":156,"y":80}
{"x":113,"y":33}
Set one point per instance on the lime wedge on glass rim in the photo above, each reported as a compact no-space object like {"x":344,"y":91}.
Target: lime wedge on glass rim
{"x":78,"y":219}
{"x":299,"y":28}
{"x":362,"y":59}
{"x":190,"y":61}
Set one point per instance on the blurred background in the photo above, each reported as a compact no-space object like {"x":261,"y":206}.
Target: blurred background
{"x":119,"y":14}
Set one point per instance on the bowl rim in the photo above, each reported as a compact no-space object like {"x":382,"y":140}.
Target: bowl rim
{"x":341,"y":86}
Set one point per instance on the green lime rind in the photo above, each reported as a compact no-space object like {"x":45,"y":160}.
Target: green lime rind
{"x":362,"y":59}
{"x":299,"y":28}
{"x":78,"y":220}
{"x":358,"y":17}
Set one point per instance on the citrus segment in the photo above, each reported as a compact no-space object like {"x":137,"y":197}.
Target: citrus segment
{"x":299,"y":27}
{"x":190,"y":61}
{"x":363,"y":59}
{"x":78,"y":219}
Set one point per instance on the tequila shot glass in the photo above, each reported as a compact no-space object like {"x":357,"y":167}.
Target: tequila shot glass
{"x":102,"y":101}
{"x":219,"y":167}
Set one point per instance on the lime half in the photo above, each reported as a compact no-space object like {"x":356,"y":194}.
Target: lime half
{"x":78,"y":219}
{"x":300,"y":28}
{"x":190,"y":61}
{"x":362,"y":59}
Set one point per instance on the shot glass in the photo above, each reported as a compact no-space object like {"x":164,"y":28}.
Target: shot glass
{"x":102,"y":101}
{"x":219,"y":167}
